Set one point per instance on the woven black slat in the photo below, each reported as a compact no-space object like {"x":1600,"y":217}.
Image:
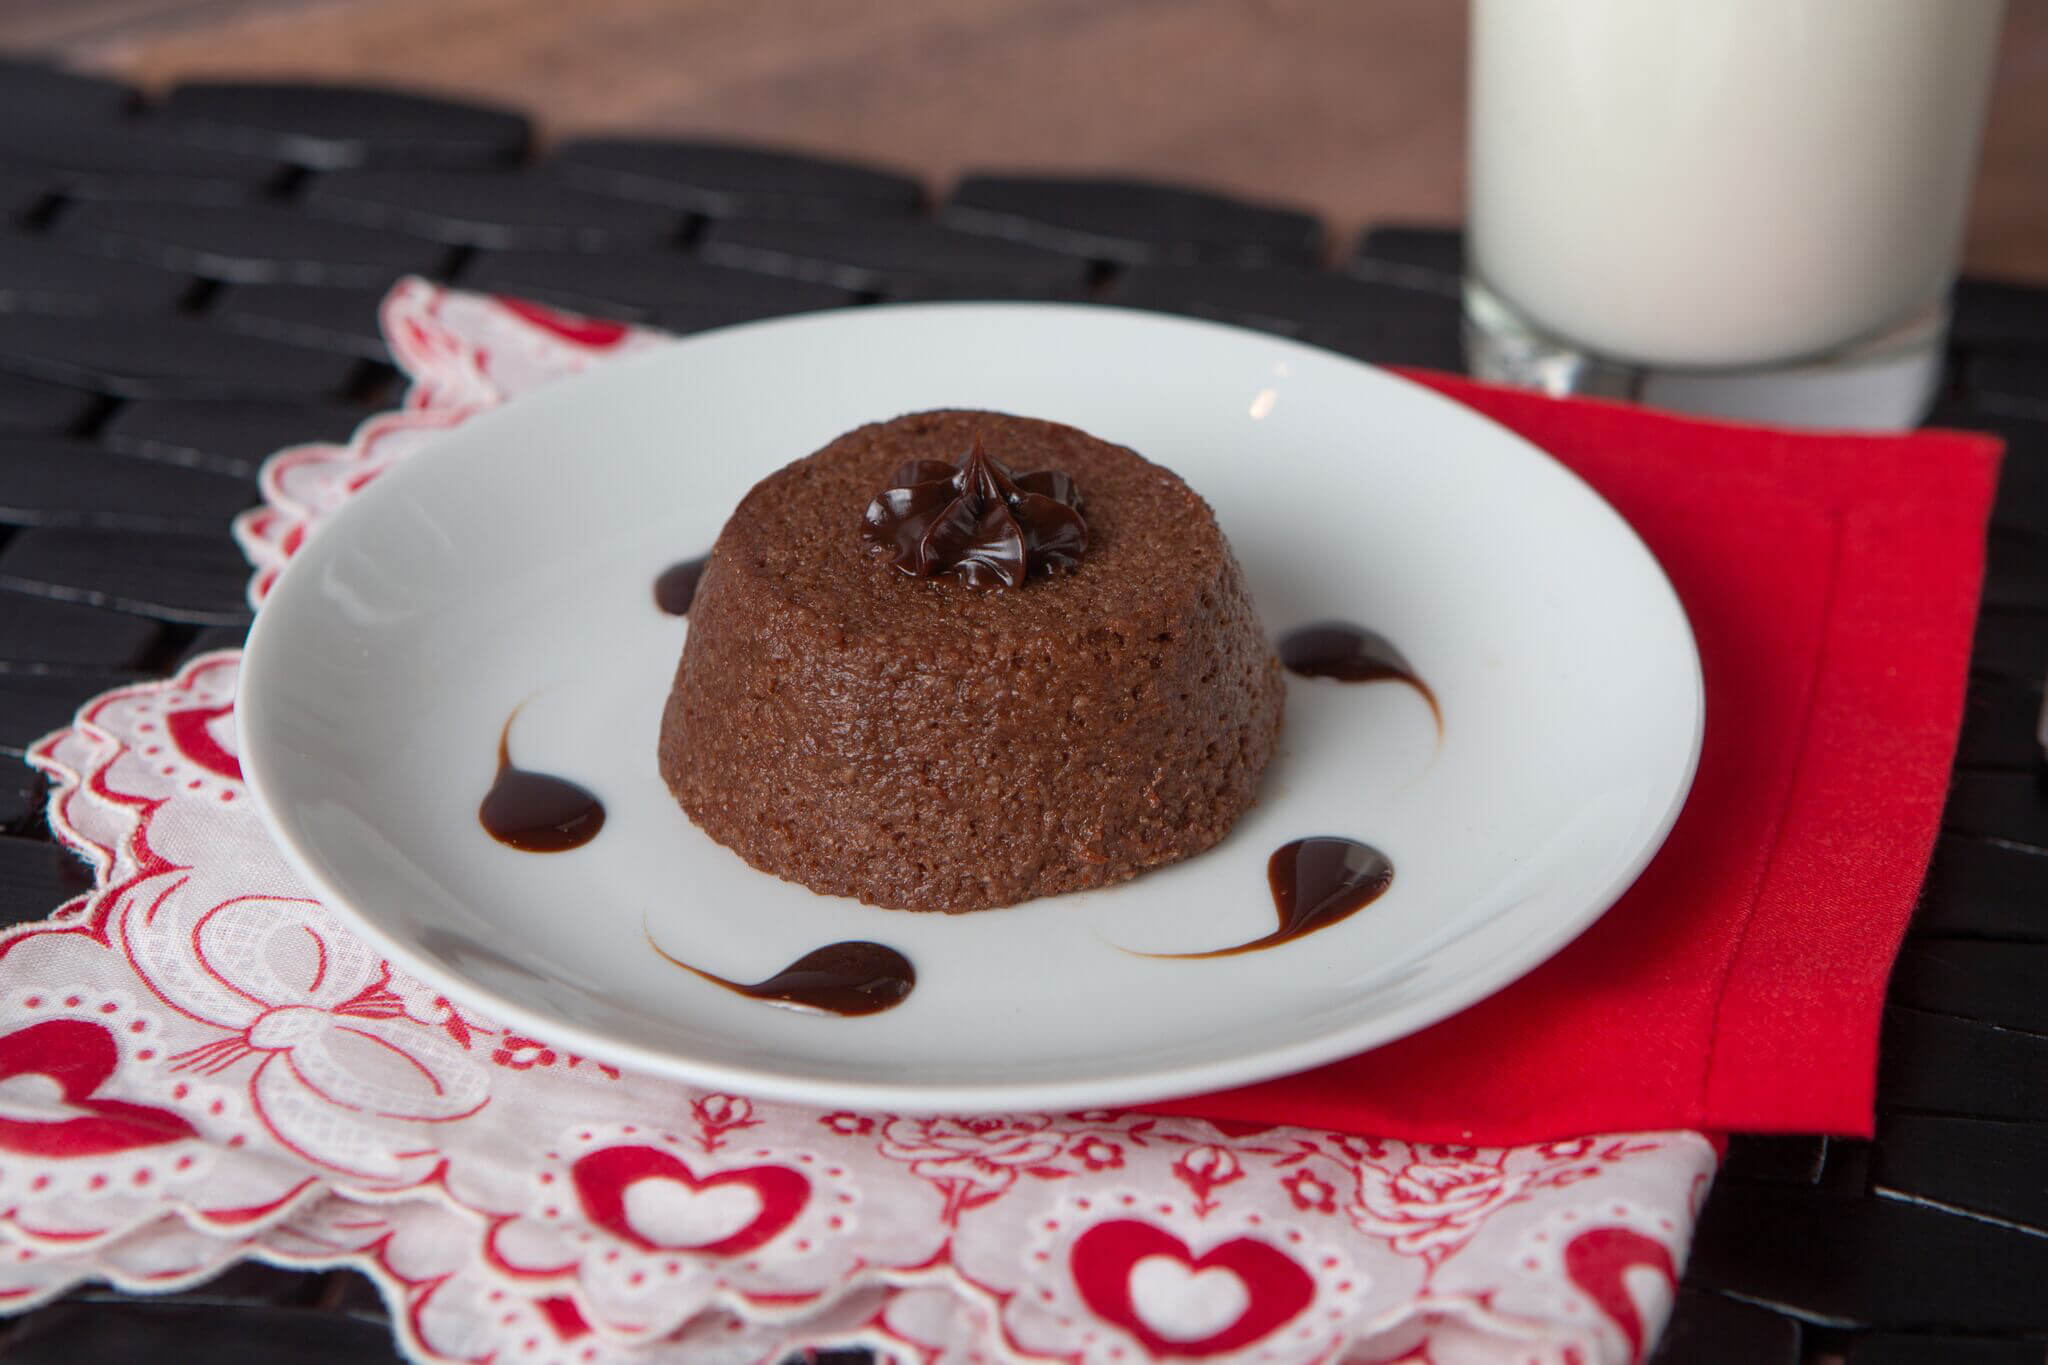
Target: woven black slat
{"x":140,"y":1330}
{"x":1795,"y":1160}
{"x":332,"y":126}
{"x":23,"y":194}
{"x":232,"y":437}
{"x":986,"y":288}
{"x":215,"y":637}
{"x":1130,"y":221}
{"x":2012,"y":644}
{"x":43,"y":276}
{"x":1846,"y":1170}
{"x":2010,"y":379}
{"x":1278,"y":299}
{"x":143,"y":188}
{"x":878,"y":254}
{"x":45,"y":482}
{"x":2016,"y":570}
{"x":257,"y":245}
{"x":1418,"y":255}
{"x":1869,"y":1261}
{"x":36,"y":877}
{"x":21,"y":799}
{"x":667,"y":290}
{"x":1371,"y":320}
{"x":1935,"y":1063}
{"x":1996,"y":805}
{"x":1999,"y":983}
{"x":33,"y":89}
{"x":508,"y":211}
{"x":1975,"y":887}
{"x":33,"y":704}
{"x":322,"y":316}
{"x":121,"y":159}
{"x":1940,"y":1348}
{"x":1999,"y":723}
{"x":1431,"y":342}
{"x":724,"y":180}
{"x":1995,"y":312}
{"x":2023,"y":484}
{"x":43,"y":633}
{"x":347,"y":1291}
{"x":36,"y":405}
{"x":1985,"y":1167}
{"x":250,"y":1283}
{"x":195,"y":579}
{"x":145,"y":356}
{"x":1709,"y":1329}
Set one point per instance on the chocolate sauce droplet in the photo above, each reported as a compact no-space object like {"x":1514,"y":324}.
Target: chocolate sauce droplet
{"x":1352,"y":654}
{"x":853,"y":977}
{"x":537,"y":812}
{"x":1316,"y":882}
{"x":677,"y":585}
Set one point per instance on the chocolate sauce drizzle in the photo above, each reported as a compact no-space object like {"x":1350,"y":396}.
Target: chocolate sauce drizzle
{"x":1316,"y":883}
{"x":676,"y":586}
{"x":850,"y":978}
{"x":976,"y":520}
{"x":1352,"y":654}
{"x":537,"y":812}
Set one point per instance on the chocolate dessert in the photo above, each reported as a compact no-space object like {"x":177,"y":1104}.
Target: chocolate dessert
{"x":960,"y":660}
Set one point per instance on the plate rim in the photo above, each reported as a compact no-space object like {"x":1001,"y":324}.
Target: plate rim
{"x":1120,"y":1089}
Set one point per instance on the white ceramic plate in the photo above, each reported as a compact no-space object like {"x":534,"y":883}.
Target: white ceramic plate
{"x":513,"y":564}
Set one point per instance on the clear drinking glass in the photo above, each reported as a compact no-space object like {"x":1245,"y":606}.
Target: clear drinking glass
{"x":1746,"y":207}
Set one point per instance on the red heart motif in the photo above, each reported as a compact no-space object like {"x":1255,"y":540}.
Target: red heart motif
{"x":604,"y":1178}
{"x":1106,"y":1256}
{"x":190,"y":731}
{"x":79,"y":1056}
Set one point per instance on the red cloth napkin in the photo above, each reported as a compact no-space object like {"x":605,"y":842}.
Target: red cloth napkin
{"x":1832,"y":582}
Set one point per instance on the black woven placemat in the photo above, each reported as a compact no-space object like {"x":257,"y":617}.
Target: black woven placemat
{"x":187,"y":285}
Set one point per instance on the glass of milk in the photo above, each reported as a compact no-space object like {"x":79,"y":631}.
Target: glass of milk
{"x":1746,"y":207}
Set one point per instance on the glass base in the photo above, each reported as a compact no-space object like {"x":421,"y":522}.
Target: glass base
{"x":1884,"y":383}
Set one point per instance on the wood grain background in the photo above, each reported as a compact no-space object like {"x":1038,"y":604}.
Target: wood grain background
{"x":1351,"y":108}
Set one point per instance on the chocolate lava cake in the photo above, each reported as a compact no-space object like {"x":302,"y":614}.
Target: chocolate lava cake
{"x":960,"y":659}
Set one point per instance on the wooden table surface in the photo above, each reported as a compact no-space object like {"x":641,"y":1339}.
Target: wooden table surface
{"x":1350,"y":108}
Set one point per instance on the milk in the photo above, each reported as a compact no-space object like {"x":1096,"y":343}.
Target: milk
{"x":1723,"y":182}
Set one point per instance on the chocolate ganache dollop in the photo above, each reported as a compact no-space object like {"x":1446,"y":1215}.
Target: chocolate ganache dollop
{"x":976,"y":520}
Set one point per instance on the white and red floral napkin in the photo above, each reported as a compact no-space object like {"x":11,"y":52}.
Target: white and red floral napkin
{"x":199,"y":1063}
